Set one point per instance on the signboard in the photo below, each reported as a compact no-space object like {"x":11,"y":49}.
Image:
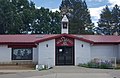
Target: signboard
{"x":64,"y":41}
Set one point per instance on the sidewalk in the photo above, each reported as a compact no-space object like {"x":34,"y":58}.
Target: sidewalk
{"x":63,"y":72}
{"x":74,"y":75}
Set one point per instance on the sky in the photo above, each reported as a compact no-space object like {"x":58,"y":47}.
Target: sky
{"x":95,"y":6}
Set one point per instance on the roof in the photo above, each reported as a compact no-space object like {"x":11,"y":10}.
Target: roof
{"x":102,"y":38}
{"x":22,"y":38}
{"x":32,"y":39}
{"x":65,"y":19}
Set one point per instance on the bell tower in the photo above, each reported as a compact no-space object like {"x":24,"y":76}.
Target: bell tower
{"x":64,"y":25}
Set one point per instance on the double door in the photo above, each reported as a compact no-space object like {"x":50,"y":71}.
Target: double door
{"x":64,"y":55}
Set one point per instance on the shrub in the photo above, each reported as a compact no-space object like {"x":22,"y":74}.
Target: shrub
{"x":101,"y":65}
{"x":105,"y":65}
{"x":93,"y":65}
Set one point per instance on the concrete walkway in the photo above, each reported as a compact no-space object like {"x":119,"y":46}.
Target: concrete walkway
{"x":63,"y":72}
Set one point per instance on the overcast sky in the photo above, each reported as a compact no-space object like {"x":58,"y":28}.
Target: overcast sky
{"x":95,"y":6}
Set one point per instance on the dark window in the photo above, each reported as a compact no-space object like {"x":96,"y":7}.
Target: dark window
{"x":82,"y":45}
{"x":22,"y":54}
{"x":46,"y":45}
{"x":65,"y":25}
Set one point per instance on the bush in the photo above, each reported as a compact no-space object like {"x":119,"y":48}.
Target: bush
{"x":105,"y":65}
{"x":92,"y":65}
{"x":101,"y":65}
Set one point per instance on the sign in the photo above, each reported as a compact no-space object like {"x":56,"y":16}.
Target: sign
{"x":64,"y":41}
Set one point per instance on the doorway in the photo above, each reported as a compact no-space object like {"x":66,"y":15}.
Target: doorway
{"x":64,"y":55}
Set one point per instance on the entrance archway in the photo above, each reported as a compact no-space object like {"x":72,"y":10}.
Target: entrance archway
{"x":64,"y":51}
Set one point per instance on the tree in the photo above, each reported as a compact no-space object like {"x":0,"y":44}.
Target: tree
{"x":47,"y":22}
{"x":79,"y":16}
{"x":21,"y":17}
{"x":4,"y":12}
{"x":105,"y":21}
{"x":55,"y":22}
{"x":16,"y":16}
{"x":116,"y":19}
{"x":9,"y":19}
{"x":42,"y":21}
{"x":26,"y":10}
{"x":108,"y":23}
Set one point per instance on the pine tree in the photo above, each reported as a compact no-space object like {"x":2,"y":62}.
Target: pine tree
{"x":79,"y":16}
{"x":105,"y":21}
{"x":109,"y":22}
{"x":116,"y":19}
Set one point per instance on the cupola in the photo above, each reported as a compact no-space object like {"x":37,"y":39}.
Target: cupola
{"x":64,"y":25}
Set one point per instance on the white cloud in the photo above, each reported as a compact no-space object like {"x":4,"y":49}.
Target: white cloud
{"x":55,"y":9}
{"x":37,"y":7}
{"x":95,"y":14}
{"x":96,"y":0}
{"x":113,"y":2}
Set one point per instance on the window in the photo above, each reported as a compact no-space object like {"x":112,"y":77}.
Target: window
{"x":46,"y":45}
{"x":82,"y":45}
{"x":22,"y":54}
{"x":65,"y":25}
